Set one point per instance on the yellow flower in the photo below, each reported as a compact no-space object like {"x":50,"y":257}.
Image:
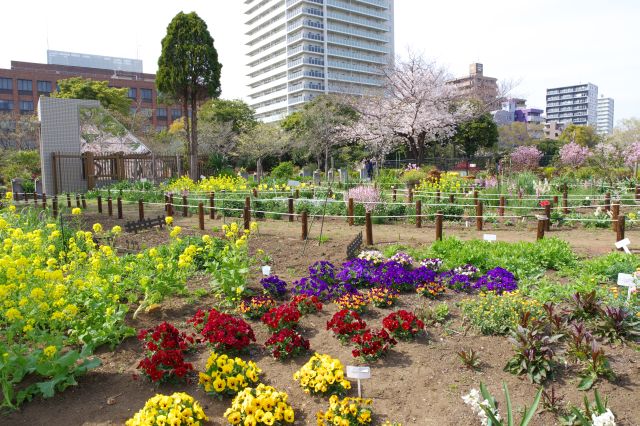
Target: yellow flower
{"x":116,"y":230}
{"x":168,"y":220}
{"x":9,"y":195}
{"x":175,"y":232}
{"x":13,"y":314}
{"x":76,"y":211}
{"x":50,"y":351}
{"x":289,"y":415}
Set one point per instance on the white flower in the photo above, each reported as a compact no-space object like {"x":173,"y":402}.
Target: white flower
{"x":473,"y":400}
{"x":605,"y":419}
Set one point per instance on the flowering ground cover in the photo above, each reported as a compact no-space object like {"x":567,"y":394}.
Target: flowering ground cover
{"x":419,"y":381}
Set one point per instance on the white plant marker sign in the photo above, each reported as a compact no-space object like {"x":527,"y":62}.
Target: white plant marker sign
{"x":266,"y":270}
{"x":490,"y":237}
{"x":358,"y":373}
{"x":623,"y":244}
{"x":627,"y":280}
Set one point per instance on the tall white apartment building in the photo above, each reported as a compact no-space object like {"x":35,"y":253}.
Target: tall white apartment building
{"x":298,"y":49}
{"x":573,"y":104}
{"x":605,"y":116}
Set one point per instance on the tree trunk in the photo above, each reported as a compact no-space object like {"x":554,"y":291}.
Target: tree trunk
{"x":259,"y":168}
{"x":193,"y":160}
{"x":326,"y":160}
{"x":187,"y":124}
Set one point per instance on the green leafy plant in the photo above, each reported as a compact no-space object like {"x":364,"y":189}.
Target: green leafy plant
{"x":433,"y":315}
{"x":469,"y":359}
{"x":584,"y":417}
{"x":534,"y":353}
{"x":617,"y":325}
{"x":551,"y":401}
{"x":597,"y":366}
{"x":584,"y":306}
{"x":492,"y":408}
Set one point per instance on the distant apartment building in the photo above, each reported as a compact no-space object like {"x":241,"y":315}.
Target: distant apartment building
{"x":573,"y":104}
{"x":56,"y":57}
{"x":514,"y":110}
{"x":605,"y":116}
{"x":23,"y":84}
{"x":553,"y":129}
{"x":299,"y":49}
{"x":477,"y":85}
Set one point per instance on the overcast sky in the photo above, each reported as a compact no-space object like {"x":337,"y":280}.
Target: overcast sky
{"x":540,"y":44}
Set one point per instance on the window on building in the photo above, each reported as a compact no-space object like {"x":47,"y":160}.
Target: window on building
{"x":6,"y":84}
{"x":145,"y":112}
{"x":25,"y":85}
{"x":133,"y":93}
{"x":161,"y":113}
{"x":44,"y":86}
{"x":146,"y":94}
{"x":6,"y":106}
{"x":175,"y":114}
{"x":26,"y":107}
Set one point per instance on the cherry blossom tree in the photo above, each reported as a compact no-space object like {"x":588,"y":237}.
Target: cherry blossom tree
{"x":416,"y":108}
{"x":574,"y":155}
{"x":525,"y":158}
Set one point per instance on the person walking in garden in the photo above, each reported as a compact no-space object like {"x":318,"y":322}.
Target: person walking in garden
{"x":369,"y":166}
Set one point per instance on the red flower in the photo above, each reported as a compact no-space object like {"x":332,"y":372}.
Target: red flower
{"x":544,"y":203}
{"x":286,"y":343}
{"x":345,"y":324}
{"x":165,"y":347}
{"x":306,"y":304}
{"x":403,"y":324}
{"x":223,"y":331}
{"x":372,"y":344}
{"x":284,"y":316}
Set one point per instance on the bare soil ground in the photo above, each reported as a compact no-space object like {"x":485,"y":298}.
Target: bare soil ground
{"x":418,"y":383}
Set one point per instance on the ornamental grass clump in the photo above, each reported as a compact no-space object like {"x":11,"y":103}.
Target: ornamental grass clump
{"x":226,"y":376}
{"x":498,"y":280}
{"x":256,"y":306}
{"x":286,"y":343}
{"x":346,"y":412}
{"x":262,"y":405}
{"x":225,"y":333}
{"x":345,"y":324}
{"x":403,"y":325}
{"x":165,"y":348}
{"x":372,"y":344}
{"x":322,"y":375}
{"x":177,"y":408}
{"x":284,"y":316}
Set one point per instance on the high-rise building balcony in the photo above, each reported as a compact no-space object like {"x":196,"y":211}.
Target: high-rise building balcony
{"x":360,"y":33}
{"x":351,"y":19}
{"x":350,"y":7}
{"x":356,"y":55}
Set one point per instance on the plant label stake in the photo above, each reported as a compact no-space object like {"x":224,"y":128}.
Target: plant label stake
{"x":266,"y":270}
{"x":623,"y":244}
{"x":358,"y":373}
{"x":626,"y":280}
{"x":490,"y":237}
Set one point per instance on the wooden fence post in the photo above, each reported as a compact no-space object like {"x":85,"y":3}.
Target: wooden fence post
{"x":555,"y":200}
{"x":84,"y":201}
{"x":565,"y":200}
{"x":475,"y":197}
{"x":44,"y":201}
{"x":395,"y":193}
{"x":119,"y":207}
{"x":141,"y":209}
{"x":438,"y":196}
{"x":68,"y":200}
{"x":368,"y":228}
{"x":541,"y":226}
{"x":304,"y":226}
{"x":89,"y":169}
{"x":607,"y":202}
{"x":501,"y":208}
{"x":212,"y":205}
{"x":297,"y":194}
{"x":109,"y":206}
{"x":255,"y":193}
{"x":185,"y":206}
{"x":479,"y":218}
{"x":418,"y":214}
{"x":201,"y":215}
{"x":439,"y":226}
{"x":99,"y":203}
{"x":620,"y":229}
{"x":547,"y":213}
{"x":55,"y":206}
{"x":290,"y":208}
{"x":247,"y":217}
{"x":77,"y":200}
{"x":615,"y":212}
{"x":410,"y":195}
{"x":452,"y":199}
{"x":35,"y":199}
{"x":170,"y":210}
{"x":350,"y":211}
{"x":637,"y":192}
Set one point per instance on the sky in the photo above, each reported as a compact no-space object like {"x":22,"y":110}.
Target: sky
{"x":536,"y":44}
